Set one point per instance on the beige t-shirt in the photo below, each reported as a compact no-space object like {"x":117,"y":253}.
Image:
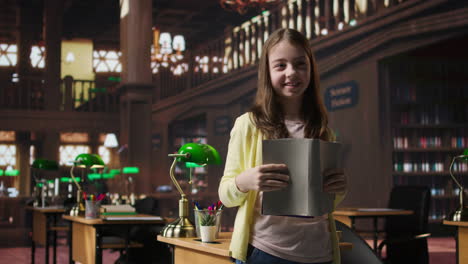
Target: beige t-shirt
{"x":299,"y":239}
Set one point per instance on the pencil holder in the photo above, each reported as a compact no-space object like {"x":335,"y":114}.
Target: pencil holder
{"x":92,"y":209}
{"x":210,"y":218}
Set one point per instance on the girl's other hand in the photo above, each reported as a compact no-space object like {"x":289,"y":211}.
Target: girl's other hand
{"x":335,"y":181}
{"x":266,"y":177}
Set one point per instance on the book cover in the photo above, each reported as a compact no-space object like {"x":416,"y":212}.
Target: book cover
{"x":306,"y":160}
{"x":121,"y":208}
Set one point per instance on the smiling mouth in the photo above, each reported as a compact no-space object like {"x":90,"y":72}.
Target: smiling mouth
{"x":292,"y":84}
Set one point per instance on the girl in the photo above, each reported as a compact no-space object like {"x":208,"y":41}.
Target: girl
{"x":287,"y":104}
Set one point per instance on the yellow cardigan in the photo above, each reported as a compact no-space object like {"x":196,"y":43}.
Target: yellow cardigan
{"x":245,"y":151}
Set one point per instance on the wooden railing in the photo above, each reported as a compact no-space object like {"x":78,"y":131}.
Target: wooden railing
{"x":241,"y":47}
{"x":25,"y":94}
{"x":89,"y":96}
{"x":28,"y":93}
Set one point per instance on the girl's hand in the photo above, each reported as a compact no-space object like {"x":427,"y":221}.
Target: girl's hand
{"x":266,"y":177}
{"x":335,"y":181}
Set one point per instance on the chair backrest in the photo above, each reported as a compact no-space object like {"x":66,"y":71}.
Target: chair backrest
{"x":405,"y":228}
{"x":361,"y":252}
{"x":415,"y":198}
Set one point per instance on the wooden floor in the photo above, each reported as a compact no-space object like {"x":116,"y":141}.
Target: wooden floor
{"x":441,"y":251}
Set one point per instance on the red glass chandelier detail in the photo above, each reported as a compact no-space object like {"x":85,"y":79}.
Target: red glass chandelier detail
{"x":241,"y":6}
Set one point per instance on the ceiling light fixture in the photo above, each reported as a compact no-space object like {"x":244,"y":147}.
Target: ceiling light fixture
{"x":168,"y":52}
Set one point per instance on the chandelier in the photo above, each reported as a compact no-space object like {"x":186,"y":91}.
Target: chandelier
{"x":241,"y":6}
{"x":167,"y":52}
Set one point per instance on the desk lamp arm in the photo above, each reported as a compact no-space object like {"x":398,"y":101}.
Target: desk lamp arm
{"x":74,"y":179}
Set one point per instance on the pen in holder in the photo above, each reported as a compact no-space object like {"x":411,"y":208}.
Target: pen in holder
{"x":208,"y":222}
{"x":92,"y":209}
{"x":92,"y":205}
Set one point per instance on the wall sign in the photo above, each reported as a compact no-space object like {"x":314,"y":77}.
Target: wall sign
{"x":340,"y":96}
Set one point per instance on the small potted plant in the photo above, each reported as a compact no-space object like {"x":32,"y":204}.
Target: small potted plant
{"x":208,"y":226}
{"x":207,"y":221}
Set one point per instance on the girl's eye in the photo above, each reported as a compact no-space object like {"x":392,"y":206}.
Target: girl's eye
{"x":280,"y":65}
{"x":301,"y":64}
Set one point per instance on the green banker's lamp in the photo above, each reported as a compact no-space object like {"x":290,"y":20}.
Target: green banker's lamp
{"x":87,"y":161}
{"x":461,"y":214}
{"x":201,"y":154}
{"x":42,"y":164}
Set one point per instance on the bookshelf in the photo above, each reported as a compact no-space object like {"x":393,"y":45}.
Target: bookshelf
{"x":429,"y":124}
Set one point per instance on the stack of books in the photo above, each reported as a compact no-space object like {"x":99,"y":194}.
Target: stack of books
{"x":121,"y":209}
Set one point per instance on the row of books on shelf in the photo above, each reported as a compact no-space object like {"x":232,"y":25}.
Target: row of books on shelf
{"x":434,"y":115}
{"x":425,"y":166}
{"x":402,"y":142}
{"x":448,"y":189}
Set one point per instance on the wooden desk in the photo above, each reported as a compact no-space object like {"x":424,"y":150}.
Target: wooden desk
{"x":86,"y":235}
{"x":348,"y":216}
{"x":45,"y":222}
{"x":462,"y":240}
{"x":193,"y":251}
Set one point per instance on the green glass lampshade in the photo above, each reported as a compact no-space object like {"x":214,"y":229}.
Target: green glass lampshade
{"x":199,"y":153}
{"x":192,"y":165}
{"x":130,"y":170}
{"x":44,"y":164}
{"x":89,"y":161}
{"x":108,"y":176}
{"x":114,"y":171}
{"x":1,"y":172}
{"x":465,"y":153}
{"x":12,"y":172}
{"x":94,"y":176}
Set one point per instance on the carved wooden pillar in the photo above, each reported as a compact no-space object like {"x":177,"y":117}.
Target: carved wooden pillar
{"x":136,"y":40}
{"x":136,"y":89}
{"x":23,"y":143}
{"x":53,"y":11}
{"x":24,"y":40}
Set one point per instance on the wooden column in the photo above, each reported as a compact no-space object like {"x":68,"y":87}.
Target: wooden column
{"x":53,"y":11}
{"x":135,"y":40}
{"x":24,"y":183}
{"x":135,"y":133}
{"x":136,"y":90}
{"x":48,"y":145}
{"x":24,"y":39}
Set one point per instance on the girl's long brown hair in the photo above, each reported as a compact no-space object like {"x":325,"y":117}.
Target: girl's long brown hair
{"x":267,"y":112}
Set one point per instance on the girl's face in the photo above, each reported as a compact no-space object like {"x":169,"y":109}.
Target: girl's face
{"x":289,"y":69}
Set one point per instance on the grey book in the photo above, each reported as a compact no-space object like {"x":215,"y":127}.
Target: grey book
{"x":306,"y":160}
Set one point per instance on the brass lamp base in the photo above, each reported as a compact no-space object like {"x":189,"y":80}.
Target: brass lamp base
{"x":79,"y":207}
{"x":181,"y":227}
{"x":459,"y":215}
